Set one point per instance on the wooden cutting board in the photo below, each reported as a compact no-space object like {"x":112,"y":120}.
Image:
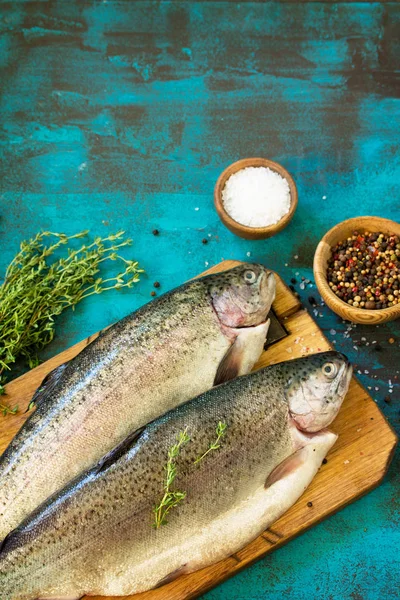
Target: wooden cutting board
{"x":356,"y":464}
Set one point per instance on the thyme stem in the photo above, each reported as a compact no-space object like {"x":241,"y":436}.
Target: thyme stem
{"x":170,"y":498}
{"x":35,"y":290}
{"x":220,"y":431}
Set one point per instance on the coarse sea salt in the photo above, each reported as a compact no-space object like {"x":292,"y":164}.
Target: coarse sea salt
{"x":256,"y":196}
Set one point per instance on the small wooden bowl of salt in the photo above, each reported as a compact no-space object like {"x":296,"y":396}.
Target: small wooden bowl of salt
{"x":255,"y":198}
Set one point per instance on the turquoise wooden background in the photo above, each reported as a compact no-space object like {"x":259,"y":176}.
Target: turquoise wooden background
{"x":122,"y":114}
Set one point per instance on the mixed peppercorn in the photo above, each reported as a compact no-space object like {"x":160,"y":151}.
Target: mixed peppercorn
{"x":364,"y":270}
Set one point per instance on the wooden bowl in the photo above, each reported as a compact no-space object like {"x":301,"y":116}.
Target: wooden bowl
{"x":322,"y":255}
{"x":253,"y":233}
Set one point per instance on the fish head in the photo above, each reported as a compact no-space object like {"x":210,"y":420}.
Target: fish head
{"x":242,"y":296}
{"x":315,"y":388}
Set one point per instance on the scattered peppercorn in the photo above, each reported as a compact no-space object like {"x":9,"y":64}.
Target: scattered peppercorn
{"x":378,"y":347}
{"x":309,"y":504}
{"x":293,"y":280}
{"x":364,"y":270}
{"x":325,"y":460}
{"x":156,"y":284}
{"x":291,"y":287}
{"x":387,"y":399}
{"x":156,"y":232}
{"x":204,"y":241}
{"x":152,"y":293}
{"x":312,"y":301}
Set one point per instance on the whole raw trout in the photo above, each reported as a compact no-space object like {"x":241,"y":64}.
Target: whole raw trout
{"x":204,"y":332}
{"x":100,"y":535}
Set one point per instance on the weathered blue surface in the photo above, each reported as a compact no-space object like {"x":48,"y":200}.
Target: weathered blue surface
{"x":122,"y":115}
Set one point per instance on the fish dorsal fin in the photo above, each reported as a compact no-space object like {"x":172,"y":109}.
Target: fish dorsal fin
{"x":118,"y":451}
{"x":47,"y":385}
{"x":10,"y":541}
{"x":4,"y":542}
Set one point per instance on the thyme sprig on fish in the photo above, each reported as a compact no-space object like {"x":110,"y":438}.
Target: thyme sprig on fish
{"x":36,"y":290}
{"x":171,"y":498}
{"x":220,"y":431}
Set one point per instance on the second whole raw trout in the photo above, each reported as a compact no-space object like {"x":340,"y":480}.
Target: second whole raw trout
{"x":207,"y":331}
{"x":111,"y":532}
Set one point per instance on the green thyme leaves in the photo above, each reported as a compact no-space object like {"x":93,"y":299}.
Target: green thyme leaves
{"x":7,"y":410}
{"x":220,"y":431}
{"x":171,"y":497}
{"x":36,"y":290}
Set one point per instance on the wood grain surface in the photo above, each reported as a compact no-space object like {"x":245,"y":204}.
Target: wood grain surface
{"x":356,"y":464}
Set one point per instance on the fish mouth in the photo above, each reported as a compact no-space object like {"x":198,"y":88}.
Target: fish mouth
{"x":344,"y":378}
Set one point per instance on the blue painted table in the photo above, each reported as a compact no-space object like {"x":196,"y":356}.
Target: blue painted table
{"x":122,"y":115}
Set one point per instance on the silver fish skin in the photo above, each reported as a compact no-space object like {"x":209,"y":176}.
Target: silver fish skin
{"x":207,"y":331}
{"x":97,"y":537}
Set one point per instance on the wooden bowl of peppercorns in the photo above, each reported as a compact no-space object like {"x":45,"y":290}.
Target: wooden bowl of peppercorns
{"x":357,"y":270}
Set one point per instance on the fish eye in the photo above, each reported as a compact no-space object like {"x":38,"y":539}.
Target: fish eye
{"x":330,"y":370}
{"x":249,"y":276}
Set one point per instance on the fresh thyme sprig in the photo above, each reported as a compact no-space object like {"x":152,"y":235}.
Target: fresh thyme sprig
{"x":35,"y":290}
{"x":220,"y":431}
{"x":170,"y":498}
{"x":7,"y":410}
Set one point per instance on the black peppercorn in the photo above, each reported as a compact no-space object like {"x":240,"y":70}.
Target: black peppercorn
{"x":364,"y":270}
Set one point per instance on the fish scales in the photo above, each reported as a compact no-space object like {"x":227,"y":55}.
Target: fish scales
{"x":131,"y":487}
{"x":154,"y":359}
{"x":98,"y":535}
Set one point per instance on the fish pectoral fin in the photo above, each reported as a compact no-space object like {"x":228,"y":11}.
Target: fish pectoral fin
{"x":118,"y":451}
{"x":172,"y":576}
{"x":228,"y":368}
{"x":47,"y":385}
{"x":243,"y":354}
{"x":287,"y":466}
